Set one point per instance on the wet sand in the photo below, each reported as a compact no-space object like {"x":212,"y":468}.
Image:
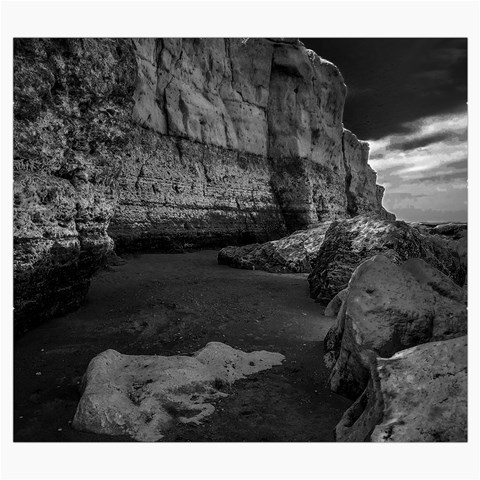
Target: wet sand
{"x":168,"y":304}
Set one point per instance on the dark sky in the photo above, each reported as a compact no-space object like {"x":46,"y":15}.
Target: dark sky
{"x":392,"y":81}
{"x":407,"y":97}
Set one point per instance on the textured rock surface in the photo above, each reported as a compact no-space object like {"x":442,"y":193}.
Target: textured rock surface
{"x":251,"y":145}
{"x":349,"y":242}
{"x":167,"y":144}
{"x":294,"y":253}
{"x":72,"y":130}
{"x":335,"y":304}
{"x":360,"y":186}
{"x":143,"y":395}
{"x":455,"y":236}
{"x":418,"y":395}
{"x":389,"y":308}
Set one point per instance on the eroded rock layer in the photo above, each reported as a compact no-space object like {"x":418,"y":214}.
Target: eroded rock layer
{"x":72,"y":131}
{"x":250,"y":145}
{"x":167,"y":144}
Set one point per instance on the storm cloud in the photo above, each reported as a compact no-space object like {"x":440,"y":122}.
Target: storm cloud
{"x":407,"y":97}
{"x":394,"y":81}
{"x":425,"y":171}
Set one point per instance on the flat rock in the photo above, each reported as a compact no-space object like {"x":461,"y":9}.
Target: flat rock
{"x":418,"y":395}
{"x":293,"y":254}
{"x":389,"y":308}
{"x":349,"y":242}
{"x":143,"y":395}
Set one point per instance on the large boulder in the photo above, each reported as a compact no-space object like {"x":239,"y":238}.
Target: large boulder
{"x":388,"y":308}
{"x":143,"y":395}
{"x":454,"y":235}
{"x":349,"y":242}
{"x":335,"y":304}
{"x":294,"y":253}
{"x":418,"y":395}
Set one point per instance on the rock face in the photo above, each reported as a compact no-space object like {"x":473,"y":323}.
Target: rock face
{"x":167,"y":144}
{"x":143,"y":395}
{"x":455,"y":236}
{"x":248,"y":145}
{"x":349,"y":242}
{"x":418,"y":395}
{"x":399,"y":348}
{"x":335,"y":304}
{"x":72,"y":131}
{"x":389,"y":308}
{"x":293,"y":254}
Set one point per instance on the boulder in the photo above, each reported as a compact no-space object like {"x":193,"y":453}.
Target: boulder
{"x":293,"y":254}
{"x":143,"y":395}
{"x":451,"y":229}
{"x":418,"y":395}
{"x":453,"y":235}
{"x":335,"y":303}
{"x":388,"y":308}
{"x":349,"y":242}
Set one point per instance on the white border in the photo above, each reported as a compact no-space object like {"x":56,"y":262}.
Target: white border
{"x":237,"y":19}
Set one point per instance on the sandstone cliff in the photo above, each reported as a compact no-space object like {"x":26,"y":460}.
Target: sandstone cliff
{"x":250,"y":144}
{"x":170,"y":143}
{"x":72,"y":131}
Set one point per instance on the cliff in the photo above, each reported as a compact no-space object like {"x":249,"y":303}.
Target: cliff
{"x":250,"y":145}
{"x":166,"y":144}
{"x":72,"y":132}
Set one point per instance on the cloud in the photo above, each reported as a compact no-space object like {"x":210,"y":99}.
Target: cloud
{"x":425,"y":169}
{"x":449,"y":55}
{"x":413,"y":144}
{"x":413,"y":214}
{"x":443,"y":177}
{"x":431,"y":143}
{"x":459,"y":164}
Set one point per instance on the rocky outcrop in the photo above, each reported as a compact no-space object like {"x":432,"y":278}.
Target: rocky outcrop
{"x":454,"y":235}
{"x":399,"y":349}
{"x":418,"y":395}
{"x":169,"y":144}
{"x":389,"y":308}
{"x":361,"y":187}
{"x":72,"y":131}
{"x":349,"y":242}
{"x":293,"y":254}
{"x":143,"y":395}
